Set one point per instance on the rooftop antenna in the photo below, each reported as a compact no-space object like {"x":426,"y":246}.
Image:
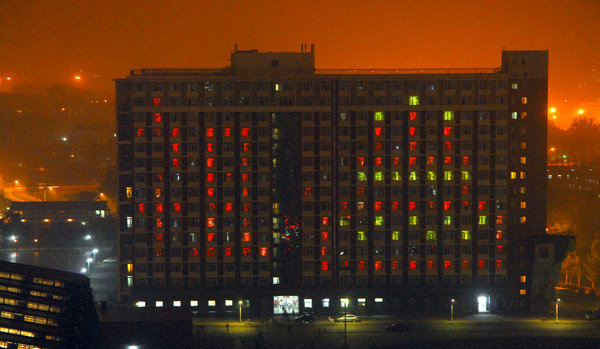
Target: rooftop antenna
{"x":235,"y":47}
{"x":312,"y":48}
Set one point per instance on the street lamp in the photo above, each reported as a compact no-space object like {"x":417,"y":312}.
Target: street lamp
{"x":345,"y":302}
{"x":557,"y":301}
{"x":94,"y":251}
{"x":240,"y":304}
{"x":452,"y":310}
{"x":89,"y":260}
{"x":83,"y":270}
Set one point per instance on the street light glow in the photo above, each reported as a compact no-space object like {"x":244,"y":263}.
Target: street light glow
{"x":77,"y":77}
{"x":553,"y":110}
{"x":580,"y":111}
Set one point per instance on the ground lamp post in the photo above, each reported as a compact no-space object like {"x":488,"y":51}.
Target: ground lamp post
{"x":240,"y":304}
{"x":557,"y":301}
{"x":452,"y":310}
{"x":345,"y":305}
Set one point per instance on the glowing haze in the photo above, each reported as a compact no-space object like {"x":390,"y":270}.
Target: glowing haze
{"x":89,"y":43}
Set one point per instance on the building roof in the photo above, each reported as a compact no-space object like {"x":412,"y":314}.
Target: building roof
{"x":57,"y":205}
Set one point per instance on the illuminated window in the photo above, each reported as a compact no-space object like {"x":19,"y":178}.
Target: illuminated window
{"x":264,"y":251}
{"x":482,"y":220}
{"x":175,"y":162}
{"x":209,"y":147}
{"x":175,"y":147}
{"x":395,"y":160}
{"x":523,"y":145}
{"x":522,"y":190}
{"x":499,"y":264}
{"x":210,"y":237}
{"x":522,"y":292}
{"x":465,"y":235}
{"x":413,"y":100}
{"x":412,"y":130}
{"x":378,"y":205}
{"x":228,"y":251}
{"x":412,"y":205}
{"x":447,"y":131}
{"x":447,"y":220}
{"x":447,"y":175}
{"x":360,"y":161}
{"x":431,"y":175}
{"x":412,"y":115}
{"x":447,"y":205}
{"x":378,"y":220}
{"x":395,"y":265}
{"x":523,"y":204}
{"x":141,"y":208}
{"x":361,"y":236}
{"x":344,"y":205}
{"x":514,"y":86}
{"x":523,"y":100}
{"x":129,"y":192}
{"x":362,"y":176}
{"x":464,"y":175}
{"x":378,"y":161}
{"x":465,"y":160}
{"x":156,"y":132}
{"x":324,"y":266}
{"x":524,"y":115}
{"x":396,"y":176}
{"x":245,"y":177}
{"x":413,"y":220}
{"x":430,"y":160}
{"x":448,"y":145}
{"x":523,"y":160}
{"x":430,"y":265}
{"x":228,"y":206}
{"x":448,"y":160}
{"x":431,"y":235}
{"x":378,"y":146}
{"x":159,"y":207}
{"x":481,"y":205}
{"x":412,"y":265}
{"x":275,"y":207}
{"x":448,"y":115}
{"x":140,"y":132}
{"x":431,"y":205}
{"x":379,"y":176}
{"x":157,"y":117}
{"x":378,"y":265}
{"x":158,"y":237}
{"x":464,"y":190}
{"x":395,"y":235}
{"x":156,"y":102}
{"x":245,"y":132}
{"x":210,"y":222}
{"x":227,"y":132}
{"x":324,"y":221}
{"x":245,"y":162}
{"x":307,"y":191}
{"x":246,"y":237}
{"x":211,"y":252}
{"x":377,"y":131}
{"x":412,"y":145}
{"x":481,"y":264}
{"x":247,"y":251}
{"x":523,"y":219}
{"x":379,"y":116}
{"x":447,"y":264}
{"x":324,"y":235}
{"x":210,"y":132}
{"x":158,"y":252}
{"x":210,"y":162}
{"x":395,"y":205}
{"x":412,"y":176}
{"x":412,"y":160}
{"x":210,"y":191}
{"x":360,"y":190}
{"x":499,"y":219}
{"x":175,"y":132}
{"x":522,"y":175}
{"x":344,"y":221}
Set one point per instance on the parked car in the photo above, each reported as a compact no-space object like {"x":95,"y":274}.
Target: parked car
{"x":397,"y":327}
{"x":347,"y":318}
{"x":305,"y":318}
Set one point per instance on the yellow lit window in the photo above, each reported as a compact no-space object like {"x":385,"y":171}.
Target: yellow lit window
{"x":523,"y":100}
{"x":448,"y":115}
{"x":447,"y":220}
{"x":396,"y":176}
{"x":378,"y":176}
{"x":413,"y":176}
{"x":482,"y":220}
{"x":523,"y":160}
{"x":465,"y":235}
{"x":275,"y":207}
{"x":431,"y":235}
{"x":379,"y":116}
{"x":362,"y":176}
{"x":431,"y":175}
{"x":514,"y":86}
{"x":522,"y":292}
{"x":447,"y":175}
{"x":413,"y":220}
{"x":413,"y":100}
{"x":395,"y":235}
{"x":522,"y":175}
{"x":464,"y":175}
{"x":523,"y":219}
{"x":130,"y":267}
{"x":360,"y":236}
{"x":523,"y":204}
{"x":378,"y":220}
{"x":129,"y":192}
{"x":514,"y":115}
{"x":513,"y":175}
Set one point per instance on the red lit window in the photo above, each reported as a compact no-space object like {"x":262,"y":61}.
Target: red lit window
{"x":465,"y":160}
{"x":465,"y":204}
{"x":447,"y":264}
{"x":244,"y":177}
{"x":175,"y":147}
{"x":395,"y":160}
{"x":264,"y":251}
{"x":465,"y":265}
{"x":246,"y":147}
{"x":195,"y":252}
{"x":378,"y":146}
{"x":175,"y":162}
{"x":210,"y":222}
{"x":499,"y":219}
{"x":244,"y":162}
{"x":448,"y":160}
{"x":140,"y":132}
{"x":227,"y":132}
{"x":412,"y":160}
{"x":158,"y":177}
{"x":158,"y":252}
{"x":430,"y":265}
{"x":307,"y":191}
{"x":360,"y":161}
{"x":447,"y":131}
{"x":412,"y":130}
{"x":228,"y":251}
{"x":246,"y":207}
{"x":431,"y":205}
{"x":344,"y":205}
{"x":346,"y":264}
{"x":465,"y":190}
{"x":210,"y":132}
{"x":228,"y":206}
{"x":245,"y":192}
{"x":481,"y":205}
{"x":395,"y":205}
{"x":499,"y":249}
{"x":498,"y":234}
{"x":430,"y":160}
{"x":324,"y":266}
{"x":209,"y":147}
{"x":157,"y":117}
{"x":156,"y":132}
{"x":210,"y":237}
{"x":395,"y":265}
{"x":210,"y":191}
{"x":141,"y":208}
{"x":360,"y":190}
{"x":245,"y":132}
{"x":228,"y":177}
{"x":481,"y":264}
{"x":412,"y":145}
{"x":378,"y":265}
{"x":324,"y":251}
{"x":377,"y":131}
{"x":447,"y":145}
{"x":447,"y":205}
{"x":159,"y":223}
{"x":412,"y":265}
{"x":246,"y":237}
{"x":176,"y":206}
{"x":212,"y":206}
{"x":245,"y":221}
{"x":378,"y":161}
{"x":413,"y":115}
{"x":324,"y":235}
{"x":159,"y":207}
{"x":324,"y":220}
{"x":499,"y":264}
{"x":378,"y":205}
{"x":158,"y":237}
{"x":175,"y":132}
{"x":156,"y":101}
{"x":361,"y":265}
{"x":210,"y":177}
{"x":412,"y":205}
{"x":210,"y":252}
{"x":210,"y":162}
{"x":247,"y":251}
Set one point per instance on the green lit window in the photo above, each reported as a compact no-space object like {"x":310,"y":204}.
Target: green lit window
{"x":465,"y":235}
{"x":447,"y":220}
{"x":413,"y":220}
{"x":362,"y":176}
{"x":464,"y":175}
{"x":344,"y":221}
{"x":395,"y":235}
{"x":413,"y":100}
{"x":379,"y":116}
{"x":378,"y":220}
{"x":447,"y":175}
{"x":361,"y":236}
{"x":431,"y":235}
{"x":413,"y":176}
{"x":396,"y":176}
{"x":431,"y":175}
{"x":378,"y":176}
{"x":448,"y":115}
{"x":482,"y":220}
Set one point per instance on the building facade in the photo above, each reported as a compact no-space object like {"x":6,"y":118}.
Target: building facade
{"x":288,"y":188}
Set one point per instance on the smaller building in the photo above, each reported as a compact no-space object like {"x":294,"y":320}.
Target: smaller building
{"x":45,"y":308}
{"x":40,"y":212}
{"x":574,"y":176}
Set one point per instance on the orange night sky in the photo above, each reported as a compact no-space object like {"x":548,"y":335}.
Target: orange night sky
{"x":53,"y":41}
